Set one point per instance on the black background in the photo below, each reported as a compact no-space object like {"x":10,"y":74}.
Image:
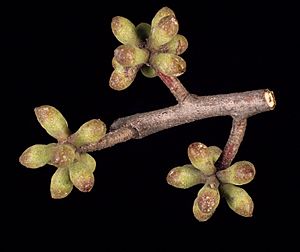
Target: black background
{"x":61,"y":56}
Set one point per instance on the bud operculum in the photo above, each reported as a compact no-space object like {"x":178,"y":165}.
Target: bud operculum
{"x":169,"y":64}
{"x":52,"y":121}
{"x":163,"y":32}
{"x":202,"y":157}
{"x":129,"y":56}
{"x":36,"y":156}
{"x":163,"y":12}
{"x":238,"y":200}
{"x":239,"y":173}
{"x":177,"y":45}
{"x":206,"y":202}
{"x":81,"y":173}
{"x":124,"y":30}
{"x":90,"y":132}
{"x":122,"y":78}
{"x":185,"y":176}
{"x":61,"y":185}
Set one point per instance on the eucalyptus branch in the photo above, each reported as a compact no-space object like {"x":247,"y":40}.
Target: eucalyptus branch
{"x":154,"y":50}
{"x":193,"y":108}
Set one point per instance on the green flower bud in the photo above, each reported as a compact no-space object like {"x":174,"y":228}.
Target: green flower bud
{"x":63,"y":155}
{"x":61,"y":185}
{"x":121,"y":78}
{"x":239,"y":173}
{"x":177,"y":45}
{"x":36,"y":156}
{"x":90,"y":132}
{"x":185,"y":176}
{"x":238,"y":200}
{"x":203,"y":157}
{"x":143,"y":31}
{"x":129,"y":56}
{"x":206,"y":202}
{"x":163,"y":12}
{"x":164,"y":31}
{"x":169,"y":64}
{"x":148,"y":71}
{"x":124,"y":31}
{"x":52,"y":121}
{"x":81,"y":173}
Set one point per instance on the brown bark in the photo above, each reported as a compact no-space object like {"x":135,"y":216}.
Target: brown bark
{"x":192,"y":108}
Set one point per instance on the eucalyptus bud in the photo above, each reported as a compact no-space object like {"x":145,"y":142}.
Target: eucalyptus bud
{"x":90,"y":132}
{"x":163,"y":12}
{"x":203,"y":157}
{"x":124,"y":30}
{"x":185,"y":176}
{"x":63,"y":155}
{"x":143,"y":31}
{"x":177,"y":45}
{"x":129,"y":56}
{"x":52,"y":121}
{"x":148,"y":71}
{"x":61,"y":185}
{"x":169,"y":64}
{"x":206,"y":202}
{"x":36,"y":156}
{"x":240,"y":173}
{"x":164,"y":31}
{"x":238,"y":200}
{"x":121,"y":78}
{"x":81,"y":173}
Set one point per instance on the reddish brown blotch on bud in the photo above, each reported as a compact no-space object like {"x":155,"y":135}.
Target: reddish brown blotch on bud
{"x":122,"y":78}
{"x":163,"y":32}
{"x":129,"y":56}
{"x":239,"y":173}
{"x":207,"y":200}
{"x":177,"y":45}
{"x":63,"y":155}
{"x":203,"y":157}
{"x":169,"y":64}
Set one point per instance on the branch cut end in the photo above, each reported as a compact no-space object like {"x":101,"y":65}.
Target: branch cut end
{"x":270,"y":98}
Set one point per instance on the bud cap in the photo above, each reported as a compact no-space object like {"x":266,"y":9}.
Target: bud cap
{"x":90,"y":132}
{"x":52,"y":121}
{"x":185,"y":176}
{"x":169,"y":64}
{"x":238,"y":200}
{"x":36,"y":156}
{"x":239,"y":173}
{"x":61,"y":185}
{"x":124,"y":31}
